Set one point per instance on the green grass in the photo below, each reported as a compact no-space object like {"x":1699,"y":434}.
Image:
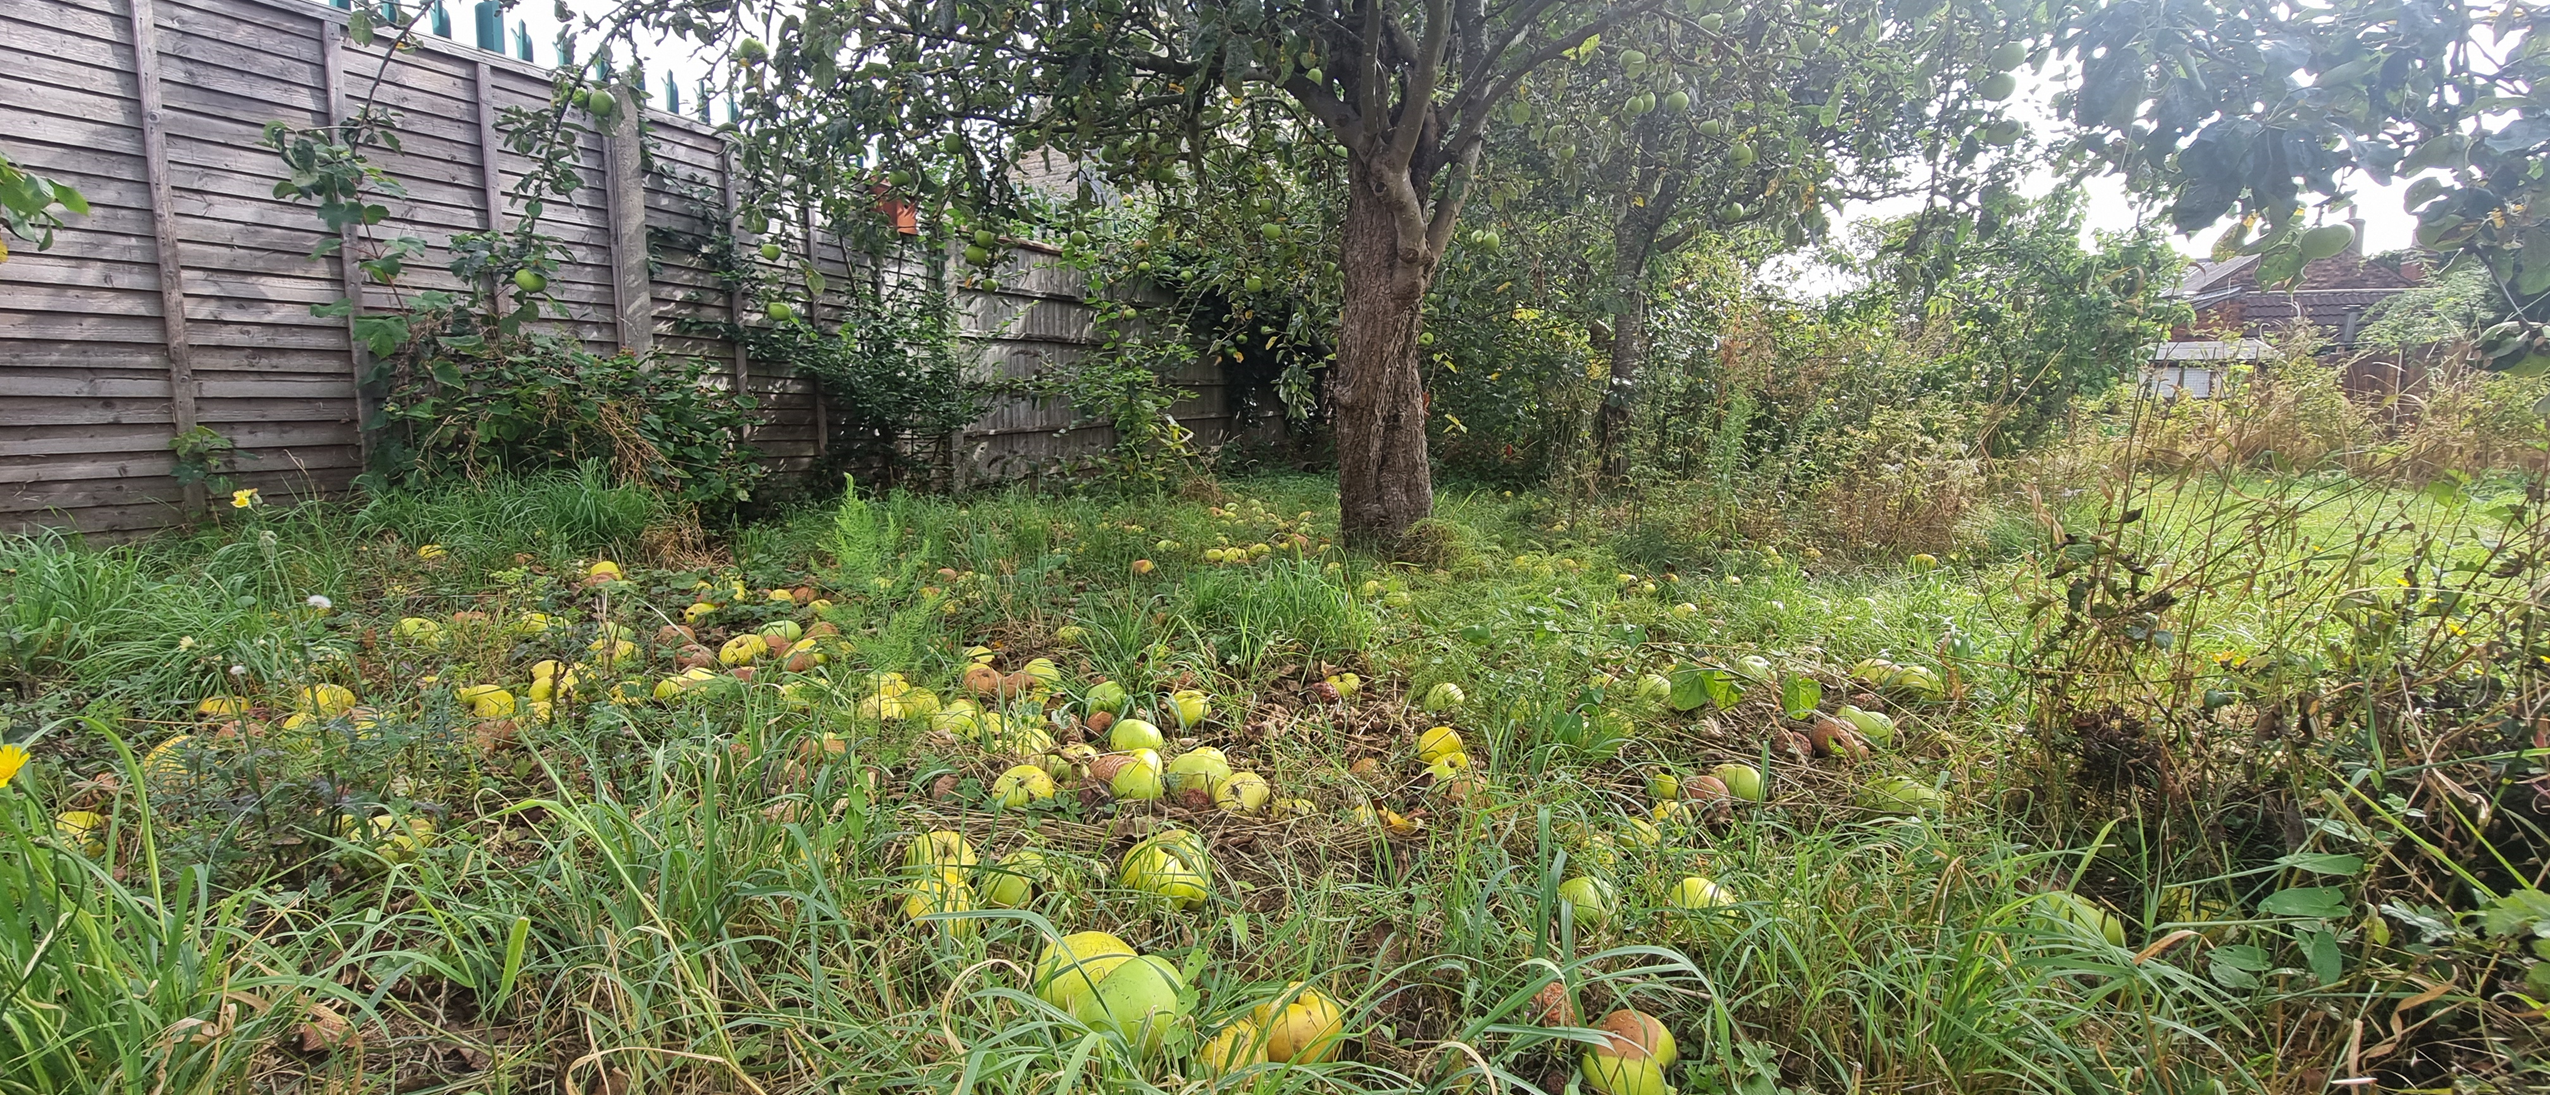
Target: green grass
{"x":701,"y":895}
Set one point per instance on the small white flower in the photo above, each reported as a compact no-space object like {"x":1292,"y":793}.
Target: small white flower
{"x":239,"y":671}
{"x":321,"y":603}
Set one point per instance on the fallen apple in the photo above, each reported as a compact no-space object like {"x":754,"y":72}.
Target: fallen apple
{"x":1071,"y":966}
{"x":1639,"y":1036}
{"x":940,"y":849}
{"x":1191,"y":706}
{"x":1743,"y":781}
{"x":1592,"y":898}
{"x":1444,"y":696}
{"x":1022,"y":785}
{"x":1663,"y":786}
{"x":1448,"y":767}
{"x":941,"y":891}
{"x":1242,"y":792}
{"x":83,"y":830}
{"x":1302,"y":1025}
{"x":1901,"y":795}
{"x":2084,"y":915}
{"x":1198,"y":769}
{"x":1011,"y":882}
{"x":1107,"y":696}
{"x":324,"y":700}
{"x":1232,"y":1048}
{"x":1139,"y":1001}
{"x":743,"y":650}
{"x":1875,"y":727}
{"x":1697,"y":892}
{"x":1438,"y":742}
{"x":1128,"y":735}
{"x":1139,"y":778}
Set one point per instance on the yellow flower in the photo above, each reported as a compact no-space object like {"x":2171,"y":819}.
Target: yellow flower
{"x":242,"y":499}
{"x":12,"y":758}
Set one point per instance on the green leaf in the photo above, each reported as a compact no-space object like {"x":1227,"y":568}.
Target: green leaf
{"x":2320,"y":949}
{"x":1694,"y":687}
{"x":2323,"y":863}
{"x":2236,"y":965}
{"x":1800,"y":695}
{"x":2517,"y":913}
{"x":2323,"y":902}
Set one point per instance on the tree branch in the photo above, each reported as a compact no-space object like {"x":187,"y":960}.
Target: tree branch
{"x":1447,"y":209}
{"x":1418,"y":101}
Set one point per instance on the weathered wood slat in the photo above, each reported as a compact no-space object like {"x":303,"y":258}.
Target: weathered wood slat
{"x":172,"y":265}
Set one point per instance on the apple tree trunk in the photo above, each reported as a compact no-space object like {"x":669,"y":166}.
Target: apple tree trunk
{"x":1376,"y":395}
{"x":1633,"y":240}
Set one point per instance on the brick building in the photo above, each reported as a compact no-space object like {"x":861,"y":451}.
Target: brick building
{"x":2235,"y":318}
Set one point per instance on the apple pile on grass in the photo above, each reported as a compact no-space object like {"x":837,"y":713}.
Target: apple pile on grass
{"x":1100,"y":980}
{"x":1017,"y":715}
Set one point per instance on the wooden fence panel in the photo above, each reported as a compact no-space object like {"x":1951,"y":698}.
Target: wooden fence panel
{"x":185,"y":296}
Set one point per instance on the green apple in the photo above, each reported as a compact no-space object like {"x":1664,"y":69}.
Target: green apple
{"x":1191,"y":706}
{"x":1131,"y":734}
{"x":1139,"y":779}
{"x":1901,"y":795}
{"x":1107,"y":696}
{"x":1697,"y":892}
{"x":1138,"y":1000}
{"x":2084,"y":914}
{"x":1875,"y":726}
{"x":1743,"y":781}
{"x":1592,"y":898}
{"x":1198,"y":769}
{"x":1021,"y":785}
{"x":1071,"y":966}
{"x":1242,"y":792}
{"x":1444,"y":697}
{"x":1011,"y":882}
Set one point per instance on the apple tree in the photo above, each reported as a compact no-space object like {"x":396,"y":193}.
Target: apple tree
{"x":1139,"y":91}
{"x":1758,"y":123}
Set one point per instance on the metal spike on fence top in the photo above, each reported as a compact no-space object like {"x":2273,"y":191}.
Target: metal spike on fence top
{"x":490,"y":17}
{"x":672,"y":95}
{"x":522,"y":39}
{"x":705,"y":100}
{"x":442,"y":20}
{"x":343,"y":5}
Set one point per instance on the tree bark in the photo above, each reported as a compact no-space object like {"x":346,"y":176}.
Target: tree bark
{"x":1384,"y":483}
{"x":1632,"y":241}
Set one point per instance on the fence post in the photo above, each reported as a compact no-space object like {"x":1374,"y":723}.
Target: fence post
{"x":624,"y":179}
{"x":735,"y":301}
{"x":172,"y":267}
{"x":349,"y":264}
{"x":491,"y":183}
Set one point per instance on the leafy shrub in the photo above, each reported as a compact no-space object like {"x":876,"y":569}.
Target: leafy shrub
{"x":1125,"y":384}
{"x":893,"y":368}
{"x":472,"y":407}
